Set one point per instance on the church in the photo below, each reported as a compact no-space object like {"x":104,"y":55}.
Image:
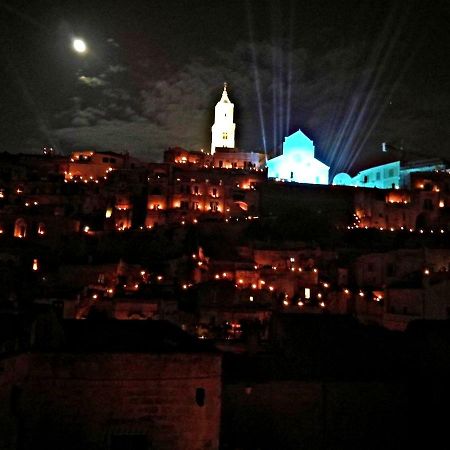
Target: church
{"x":297,"y":162}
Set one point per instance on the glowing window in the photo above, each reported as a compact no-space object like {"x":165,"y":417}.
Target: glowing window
{"x":20,"y":228}
{"x":307,"y":293}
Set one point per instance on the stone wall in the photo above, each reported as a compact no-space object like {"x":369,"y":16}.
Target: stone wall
{"x":92,"y":401}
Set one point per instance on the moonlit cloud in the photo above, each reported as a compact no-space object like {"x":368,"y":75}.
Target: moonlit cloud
{"x":340,"y":99}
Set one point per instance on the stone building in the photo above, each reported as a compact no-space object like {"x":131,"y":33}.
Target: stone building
{"x":111,"y":385}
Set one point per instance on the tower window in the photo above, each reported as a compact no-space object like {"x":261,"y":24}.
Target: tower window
{"x":224,"y":135}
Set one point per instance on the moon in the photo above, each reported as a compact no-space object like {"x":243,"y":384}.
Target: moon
{"x":79,"y":45}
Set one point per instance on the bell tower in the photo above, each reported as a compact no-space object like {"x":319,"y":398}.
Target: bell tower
{"x":223,"y":129}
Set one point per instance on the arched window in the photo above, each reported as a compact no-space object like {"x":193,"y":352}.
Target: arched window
{"x":20,"y":228}
{"x":41,"y":229}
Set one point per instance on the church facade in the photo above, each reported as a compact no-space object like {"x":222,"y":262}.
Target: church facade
{"x":297,"y":162}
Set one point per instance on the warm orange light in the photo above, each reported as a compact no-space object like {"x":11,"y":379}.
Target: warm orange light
{"x":35,"y":266}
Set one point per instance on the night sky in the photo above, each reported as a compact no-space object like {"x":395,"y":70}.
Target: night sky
{"x":351,"y":74}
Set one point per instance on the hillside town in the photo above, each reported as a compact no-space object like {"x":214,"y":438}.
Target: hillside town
{"x":292,"y":281}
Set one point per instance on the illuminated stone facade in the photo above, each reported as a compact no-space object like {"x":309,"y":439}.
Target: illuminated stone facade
{"x":297,"y":163}
{"x":223,"y":129}
{"x":178,"y":192}
{"x":424,"y":206}
{"x":390,"y":175}
{"x":385,"y":176}
{"x":88,"y":165}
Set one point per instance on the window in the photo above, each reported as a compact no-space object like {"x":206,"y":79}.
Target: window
{"x":105,"y":160}
{"x":391,"y":173}
{"x":220,"y":163}
{"x":378,"y":176}
{"x":200,"y":395}
{"x":365,"y":179}
{"x":195,"y":206}
{"x":224,"y":136}
{"x":214,"y":206}
{"x":292,"y":174}
{"x":184,"y":205}
{"x":20,"y":228}
{"x":41,"y":229}
{"x":195,"y":190}
{"x":112,"y":160}
{"x":214,"y":192}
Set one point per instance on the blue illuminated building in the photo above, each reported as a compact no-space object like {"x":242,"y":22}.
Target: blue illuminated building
{"x":391,"y":175}
{"x":297,"y":162}
{"x":386,"y":176}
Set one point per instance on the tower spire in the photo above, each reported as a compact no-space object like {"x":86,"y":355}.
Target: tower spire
{"x":225,"y":93}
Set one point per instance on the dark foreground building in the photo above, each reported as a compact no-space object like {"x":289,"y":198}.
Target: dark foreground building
{"x":111,"y":385}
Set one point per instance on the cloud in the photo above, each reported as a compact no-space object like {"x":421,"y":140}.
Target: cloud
{"x":345,"y":99}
